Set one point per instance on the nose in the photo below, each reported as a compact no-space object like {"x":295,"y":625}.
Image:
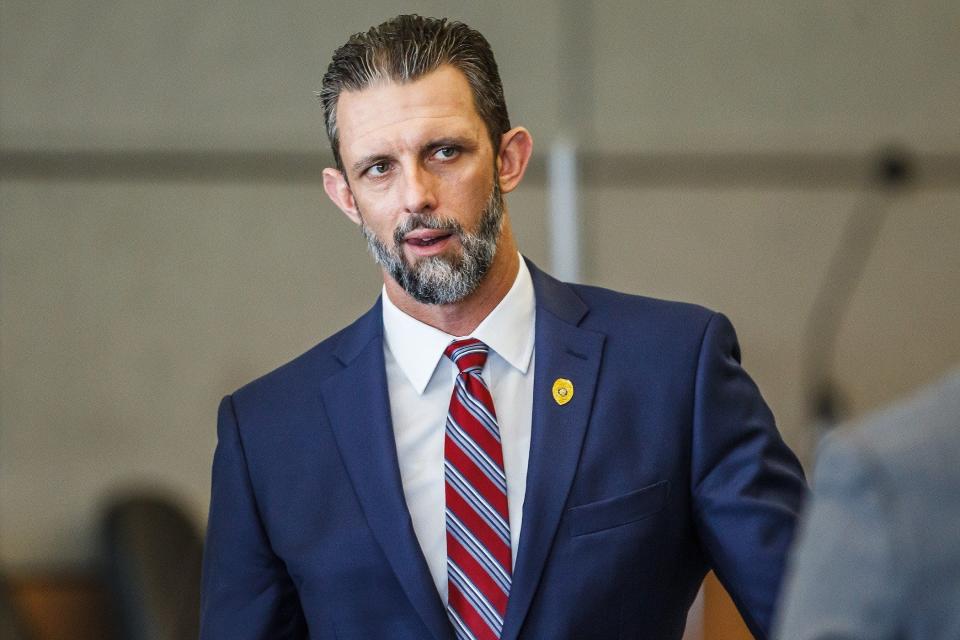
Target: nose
{"x":419,"y":190}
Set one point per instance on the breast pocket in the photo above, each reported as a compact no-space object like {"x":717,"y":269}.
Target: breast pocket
{"x":619,"y":510}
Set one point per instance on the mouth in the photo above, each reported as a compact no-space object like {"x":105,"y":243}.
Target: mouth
{"x":426,"y":237}
{"x":427,"y":241}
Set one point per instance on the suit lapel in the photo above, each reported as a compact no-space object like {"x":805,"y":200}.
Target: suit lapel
{"x":563,"y":350}
{"x":357,"y":405}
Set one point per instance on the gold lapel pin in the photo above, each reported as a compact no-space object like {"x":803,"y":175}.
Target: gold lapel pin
{"x":562,"y":391}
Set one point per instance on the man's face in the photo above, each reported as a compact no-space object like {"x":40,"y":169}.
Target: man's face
{"x":422,"y":183}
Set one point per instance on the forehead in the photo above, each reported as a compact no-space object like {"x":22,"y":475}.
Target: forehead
{"x":389,"y":113}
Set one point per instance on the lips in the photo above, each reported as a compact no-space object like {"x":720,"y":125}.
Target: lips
{"x":426,"y":237}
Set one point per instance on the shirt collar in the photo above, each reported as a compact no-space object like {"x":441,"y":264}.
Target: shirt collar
{"x":508,"y":330}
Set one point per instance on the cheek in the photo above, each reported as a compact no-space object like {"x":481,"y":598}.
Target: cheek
{"x":383,"y":229}
{"x":376,"y":216}
{"x":469,"y":193}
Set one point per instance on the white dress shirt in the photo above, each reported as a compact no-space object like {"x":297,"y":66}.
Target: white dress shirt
{"x":420,"y":381}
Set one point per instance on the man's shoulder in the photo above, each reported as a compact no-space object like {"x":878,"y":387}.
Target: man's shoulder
{"x":639,"y":328}
{"x":611,"y":309}
{"x":643,"y":320}
{"x":609,"y":302}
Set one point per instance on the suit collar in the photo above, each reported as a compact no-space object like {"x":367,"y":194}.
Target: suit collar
{"x":355,"y":338}
{"x":358,"y":410}
{"x":556,"y":297}
{"x":563,"y":350}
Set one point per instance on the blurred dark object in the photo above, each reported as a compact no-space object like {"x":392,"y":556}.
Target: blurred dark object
{"x":152,"y":571}
{"x":895,"y":167}
{"x":11,"y":623}
{"x":894,"y":171}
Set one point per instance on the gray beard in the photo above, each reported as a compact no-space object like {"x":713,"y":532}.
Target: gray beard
{"x":442,"y":279}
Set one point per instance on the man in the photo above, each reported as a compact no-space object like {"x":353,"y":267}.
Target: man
{"x":878,"y":557}
{"x":488,"y":452}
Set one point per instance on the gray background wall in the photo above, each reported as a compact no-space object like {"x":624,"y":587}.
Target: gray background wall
{"x":132,"y":299}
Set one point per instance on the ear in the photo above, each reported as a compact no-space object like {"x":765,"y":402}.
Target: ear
{"x":339,"y":192}
{"x":516,"y":146}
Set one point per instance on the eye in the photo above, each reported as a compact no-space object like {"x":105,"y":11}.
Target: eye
{"x":378,"y":169}
{"x":446,"y":153}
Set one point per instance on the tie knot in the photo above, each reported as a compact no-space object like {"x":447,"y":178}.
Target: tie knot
{"x":469,"y":354}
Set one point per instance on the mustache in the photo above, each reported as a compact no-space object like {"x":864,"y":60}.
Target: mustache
{"x":424,"y":221}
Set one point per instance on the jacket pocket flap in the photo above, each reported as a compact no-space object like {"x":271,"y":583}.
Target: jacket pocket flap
{"x":620,"y":510}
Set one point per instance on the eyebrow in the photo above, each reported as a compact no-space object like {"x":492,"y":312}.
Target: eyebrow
{"x":463,"y":142}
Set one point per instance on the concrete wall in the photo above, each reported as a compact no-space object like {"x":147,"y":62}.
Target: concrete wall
{"x":130,"y":302}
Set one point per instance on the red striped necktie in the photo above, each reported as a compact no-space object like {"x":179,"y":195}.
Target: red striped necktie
{"x":478,"y":523}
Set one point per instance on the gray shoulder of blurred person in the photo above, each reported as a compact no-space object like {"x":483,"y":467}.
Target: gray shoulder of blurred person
{"x":878,"y":553}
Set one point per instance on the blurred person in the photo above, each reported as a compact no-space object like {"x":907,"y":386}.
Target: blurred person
{"x":878,"y":555}
{"x":488,"y":452}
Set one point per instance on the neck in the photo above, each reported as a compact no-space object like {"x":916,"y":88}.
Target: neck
{"x":462,"y":317}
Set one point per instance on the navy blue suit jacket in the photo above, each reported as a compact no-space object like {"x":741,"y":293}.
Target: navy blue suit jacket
{"x":665,"y":463}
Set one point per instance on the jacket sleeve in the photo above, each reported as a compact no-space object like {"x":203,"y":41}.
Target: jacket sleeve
{"x":845,"y":582}
{"x":246,"y":591}
{"x":747,"y":486}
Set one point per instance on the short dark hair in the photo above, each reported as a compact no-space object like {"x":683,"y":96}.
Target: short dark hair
{"x":405,"y":48}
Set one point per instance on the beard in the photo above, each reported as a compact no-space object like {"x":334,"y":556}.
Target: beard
{"x":442,"y":279}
